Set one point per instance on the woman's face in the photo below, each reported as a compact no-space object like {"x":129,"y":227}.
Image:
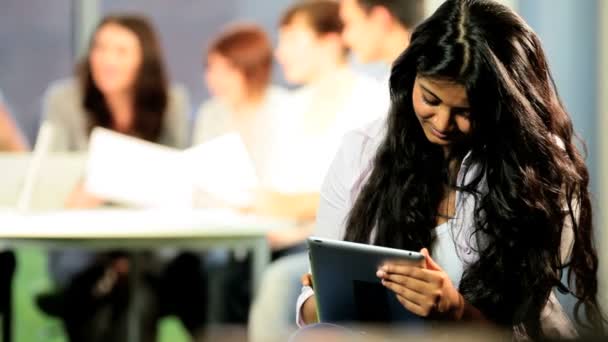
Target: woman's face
{"x":115,"y":59}
{"x":299,"y":51}
{"x":442,"y":107}
{"x":224,"y":80}
{"x":363,"y":32}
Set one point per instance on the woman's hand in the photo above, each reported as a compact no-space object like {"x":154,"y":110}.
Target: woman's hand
{"x":425,"y":290}
{"x":309,"y":308}
{"x":81,"y":199}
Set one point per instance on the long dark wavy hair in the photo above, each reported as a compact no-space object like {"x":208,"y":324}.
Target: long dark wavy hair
{"x":523,"y":142}
{"x":151,"y":89}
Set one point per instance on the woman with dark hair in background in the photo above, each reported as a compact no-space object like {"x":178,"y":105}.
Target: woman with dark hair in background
{"x":122,"y":86}
{"x":477,"y":167}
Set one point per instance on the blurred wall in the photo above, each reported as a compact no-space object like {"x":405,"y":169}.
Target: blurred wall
{"x":569,"y":32}
{"x":35,"y":48}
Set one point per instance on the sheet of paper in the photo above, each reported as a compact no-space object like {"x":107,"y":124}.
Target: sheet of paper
{"x":222,"y":172}
{"x":131,"y":171}
{"x":135,"y":172}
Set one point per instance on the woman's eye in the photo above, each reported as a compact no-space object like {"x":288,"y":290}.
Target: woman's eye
{"x":430,"y":102}
{"x":463,"y":113}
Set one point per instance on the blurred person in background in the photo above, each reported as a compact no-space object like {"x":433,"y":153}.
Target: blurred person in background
{"x":238,"y":70}
{"x":331,"y":100}
{"x":477,"y":167}
{"x":379,"y":30}
{"x":120,"y":85}
{"x":11,"y":140}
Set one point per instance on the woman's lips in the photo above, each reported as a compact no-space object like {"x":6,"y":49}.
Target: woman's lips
{"x":438,"y":134}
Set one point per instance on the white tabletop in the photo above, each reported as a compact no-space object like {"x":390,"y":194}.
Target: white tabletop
{"x":133,"y":224}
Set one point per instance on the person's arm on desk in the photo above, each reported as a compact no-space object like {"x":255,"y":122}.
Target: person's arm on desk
{"x":290,"y":236}
{"x":300,"y":207}
{"x":81,"y":199}
{"x":11,"y":138}
{"x":297,"y":206}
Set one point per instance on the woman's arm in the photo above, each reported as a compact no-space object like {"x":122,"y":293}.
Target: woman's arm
{"x":296,"y":206}
{"x":79,"y":198}
{"x":309,"y":308}
{"x":11,"y":138}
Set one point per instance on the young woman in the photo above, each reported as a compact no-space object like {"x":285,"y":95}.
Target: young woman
{"x":238,"y":74}
{"x":476,"y":166}
{"x":121,"y":85}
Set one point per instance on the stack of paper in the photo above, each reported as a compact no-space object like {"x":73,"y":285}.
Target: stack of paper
{"x":139,"y":173}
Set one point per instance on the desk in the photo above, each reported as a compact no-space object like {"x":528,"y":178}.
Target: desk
{"x":141,"y":229}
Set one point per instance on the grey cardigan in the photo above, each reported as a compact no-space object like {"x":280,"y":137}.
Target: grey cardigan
{"x":62,"y":107}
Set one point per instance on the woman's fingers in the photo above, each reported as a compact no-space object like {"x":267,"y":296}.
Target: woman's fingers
{"x":409,"y":282}
{"x":430,"y":263}
{"x":412,"y":301}
{"x":425,"y":290}
{"x":406,"y":293}
{"x":411,"y":306}
{"x":408,"y":271}
{"x":424,"y":310}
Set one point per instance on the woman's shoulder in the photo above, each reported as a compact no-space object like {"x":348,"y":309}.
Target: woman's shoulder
{"x":301,"y":94}
{"x":64,"y":89}
{"x":276,"y":103}
{"x":211,"y":120}
{"x":359,"y":147}
{"x":211,"y":110}
{"x":369,"y":136}
{"x":179,"y":98}
{"x":62,"y":100}
{"x":276,"y":92}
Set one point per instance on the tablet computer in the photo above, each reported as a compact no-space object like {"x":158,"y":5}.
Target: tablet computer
{"x":346,"y":286}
